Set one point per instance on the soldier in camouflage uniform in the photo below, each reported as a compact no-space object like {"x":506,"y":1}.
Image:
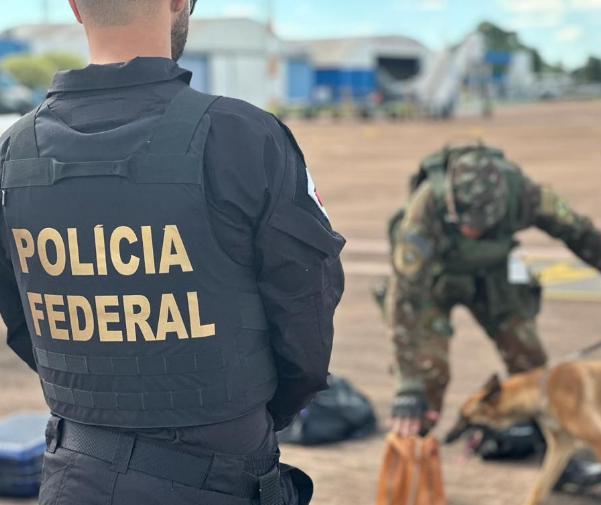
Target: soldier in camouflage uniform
{"x":451,"y":247}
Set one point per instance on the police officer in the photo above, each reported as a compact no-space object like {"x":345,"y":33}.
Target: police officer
{"x":168,"y":270}
{"x":451,"y":246}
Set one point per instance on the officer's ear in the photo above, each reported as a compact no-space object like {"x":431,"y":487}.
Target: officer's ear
{"x":75,"y":11}
{"x":177,"y":5}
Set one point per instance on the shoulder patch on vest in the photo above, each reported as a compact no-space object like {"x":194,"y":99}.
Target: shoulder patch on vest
{"x":554,"y":206}
{"x":410,"y":254}
{"x":312,"y":191}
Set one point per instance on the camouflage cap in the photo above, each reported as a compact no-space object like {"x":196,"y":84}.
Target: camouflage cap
{"x":479,"y":189}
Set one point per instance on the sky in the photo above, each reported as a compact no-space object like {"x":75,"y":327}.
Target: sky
{"x":565,"y":31}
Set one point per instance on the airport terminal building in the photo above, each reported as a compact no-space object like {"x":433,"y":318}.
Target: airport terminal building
{"x":243,"y":58}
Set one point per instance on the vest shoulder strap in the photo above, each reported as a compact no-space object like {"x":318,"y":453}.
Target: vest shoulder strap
{"x":514,"y":187}
{"x":23,"y":142}
{"x":166,"y":163}
{"x":435,"y":169}
{"x":183,"y":116}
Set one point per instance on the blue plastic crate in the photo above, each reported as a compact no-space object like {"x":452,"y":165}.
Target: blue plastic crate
{"x":21,"y":487}
{"x":22,"y":445}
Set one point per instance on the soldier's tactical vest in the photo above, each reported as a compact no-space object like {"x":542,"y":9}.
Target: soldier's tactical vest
{"x":468,"y":256}
{"x":137,"y":317}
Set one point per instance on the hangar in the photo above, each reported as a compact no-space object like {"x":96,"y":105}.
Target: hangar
{"x":354,"y":68}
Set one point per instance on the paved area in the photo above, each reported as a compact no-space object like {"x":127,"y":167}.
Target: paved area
{"x":362,"y":172}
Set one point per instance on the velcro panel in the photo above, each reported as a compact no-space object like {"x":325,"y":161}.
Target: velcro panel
{"x":49,"y":390}
{"x":42,"y":358}
{"x":57,"y":361}
{"x":64,"y":395}
{"x":77,"y":364}
{"x":83,"y":398}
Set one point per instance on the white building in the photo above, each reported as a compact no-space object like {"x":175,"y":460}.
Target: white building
{"x":520,"y":78}
{"x":239,"y":58}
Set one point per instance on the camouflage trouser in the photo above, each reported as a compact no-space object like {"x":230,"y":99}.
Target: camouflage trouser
{"x":512,"y":327}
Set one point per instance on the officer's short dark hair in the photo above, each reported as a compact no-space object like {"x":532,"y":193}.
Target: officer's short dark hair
{"x":114,"y":12}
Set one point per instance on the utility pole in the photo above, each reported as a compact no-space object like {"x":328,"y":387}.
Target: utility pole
{"x":46,"y":11}
{"x":273,"y":64}
{"x":270,"y":15}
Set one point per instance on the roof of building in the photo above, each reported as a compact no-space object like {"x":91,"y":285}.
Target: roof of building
{"x":40,"y":30}
{"x":239,"y":35}
{"x":205,"y":35}
{"x":334,"y":52}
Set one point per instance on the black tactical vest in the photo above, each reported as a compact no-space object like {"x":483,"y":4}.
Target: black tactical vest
{"x":137,"y":317}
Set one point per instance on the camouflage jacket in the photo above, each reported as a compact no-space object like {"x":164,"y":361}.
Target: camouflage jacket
{"x":420,"y":243}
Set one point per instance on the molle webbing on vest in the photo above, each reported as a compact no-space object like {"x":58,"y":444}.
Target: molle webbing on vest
{"x":117,"y":331}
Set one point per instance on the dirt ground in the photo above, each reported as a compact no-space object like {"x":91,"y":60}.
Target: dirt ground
{"x":361,"y":171}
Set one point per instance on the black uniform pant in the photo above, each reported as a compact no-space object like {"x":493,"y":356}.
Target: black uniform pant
{"x":74,"y":478}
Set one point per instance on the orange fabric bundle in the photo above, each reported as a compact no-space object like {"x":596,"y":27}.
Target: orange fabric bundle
{"x":411,"y":473}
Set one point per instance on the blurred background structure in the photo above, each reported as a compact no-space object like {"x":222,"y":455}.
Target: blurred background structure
{"x":368,"y":75}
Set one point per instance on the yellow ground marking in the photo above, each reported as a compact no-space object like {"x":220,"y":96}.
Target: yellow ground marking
{"x":572,"y":296}
{"x":563,"y":272}
{"x":370,"y":132}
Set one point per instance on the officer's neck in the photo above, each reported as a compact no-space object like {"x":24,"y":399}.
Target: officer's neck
{"x":116,"y":44}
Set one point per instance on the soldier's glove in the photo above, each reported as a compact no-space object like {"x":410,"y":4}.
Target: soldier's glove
{"x":409,"y":406}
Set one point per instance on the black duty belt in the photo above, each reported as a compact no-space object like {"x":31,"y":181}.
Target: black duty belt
{"x":212,"y":472}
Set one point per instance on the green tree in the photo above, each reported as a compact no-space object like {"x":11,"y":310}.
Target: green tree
{"x":38,"y":71}
{"x":32,"y":71}
{"x":497,"y":39}
{"x":590,"y":72}
{"x":64,"y":61}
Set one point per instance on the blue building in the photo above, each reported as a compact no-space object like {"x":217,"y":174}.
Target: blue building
{"x":357,"y":68}
{"x":9,"y":46}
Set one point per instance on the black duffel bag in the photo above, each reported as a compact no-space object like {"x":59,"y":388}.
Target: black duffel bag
{"x":337,"y":414}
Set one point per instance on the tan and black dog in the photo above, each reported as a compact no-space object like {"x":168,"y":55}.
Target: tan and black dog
{"x":566,"y":402}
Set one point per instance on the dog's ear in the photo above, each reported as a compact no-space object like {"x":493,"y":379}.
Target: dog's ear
{"x":492,"y":390}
